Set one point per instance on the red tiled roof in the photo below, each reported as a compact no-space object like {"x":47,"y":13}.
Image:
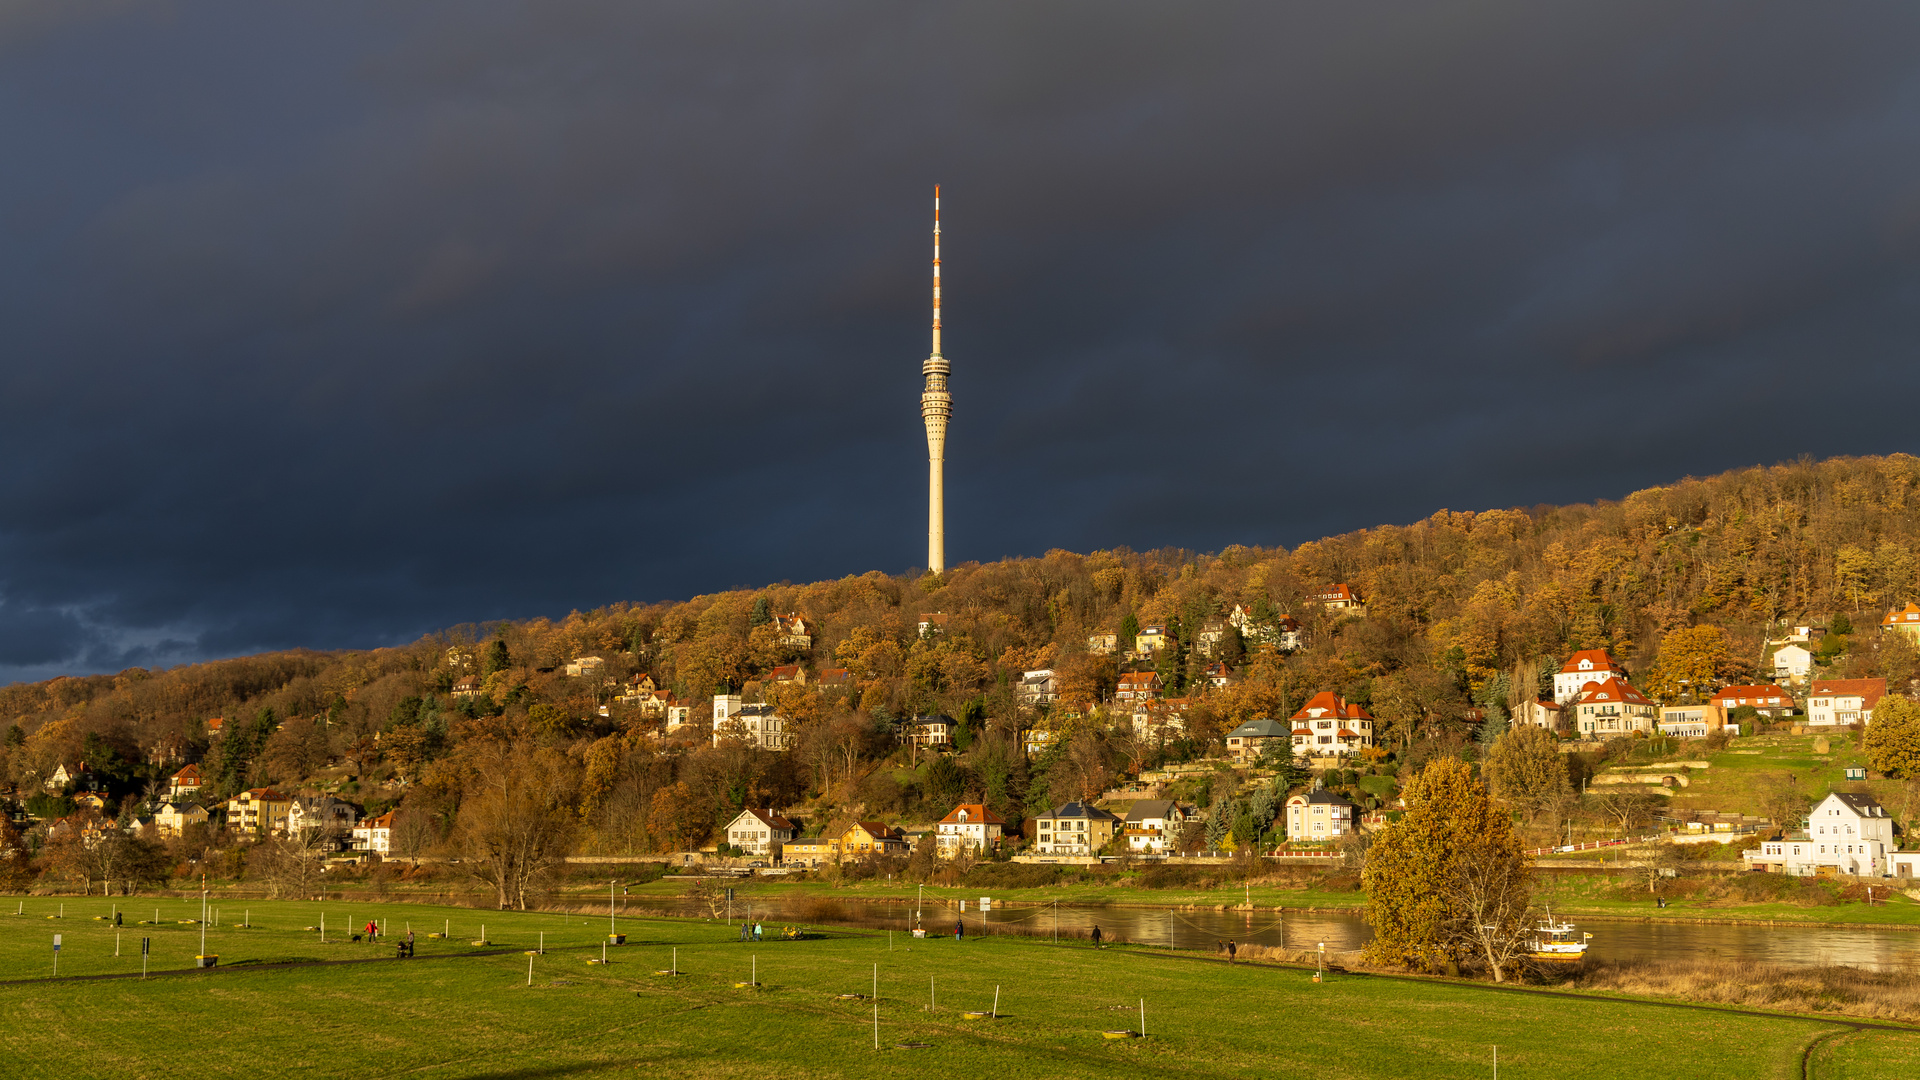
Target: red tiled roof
{"x":1331,"y":705}
{"x":1908,"y":614}
{"x":976,"y":812}
{"x":1870,"y":690}
{"x":770,"y":819}
{"x":1340,"y":591}
{"x":1597,"y":657}
{"x":1615,"y":689}
{"x":1138,"y":678}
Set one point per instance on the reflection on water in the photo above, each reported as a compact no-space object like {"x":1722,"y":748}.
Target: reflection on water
{"x":1340,"y":931}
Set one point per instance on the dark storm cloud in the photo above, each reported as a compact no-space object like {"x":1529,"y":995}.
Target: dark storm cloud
{"x":330,"y":326}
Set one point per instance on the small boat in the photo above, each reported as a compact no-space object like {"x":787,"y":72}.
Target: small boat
{"x":1557,"y":942}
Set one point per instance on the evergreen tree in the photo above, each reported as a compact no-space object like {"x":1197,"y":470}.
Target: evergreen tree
{"x":760,"y":615}
{"x":497,"y":658}
{"x":1129,"y":629}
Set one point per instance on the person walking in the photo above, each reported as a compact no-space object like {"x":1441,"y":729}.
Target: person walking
{"x":1232,"y":951}
{"x":1096,"y":936}
{"x":959,"y":929}
{"x":759,"y":932}
{"x":746,"y":931}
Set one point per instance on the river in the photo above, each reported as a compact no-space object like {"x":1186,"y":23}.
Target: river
{"x":1340,"y":931}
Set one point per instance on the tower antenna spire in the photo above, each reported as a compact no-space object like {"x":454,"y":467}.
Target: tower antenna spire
{"x":936,"y":408}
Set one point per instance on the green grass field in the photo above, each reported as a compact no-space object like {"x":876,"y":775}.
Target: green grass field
{"x":473,"y":1015}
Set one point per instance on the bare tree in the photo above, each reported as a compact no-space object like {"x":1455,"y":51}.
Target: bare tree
{"x":413,"y":833}
{"x":1488,"y":896}
{"x":292,"y":865}
{"x":517,"y":823}
{"x":1623,"y":805}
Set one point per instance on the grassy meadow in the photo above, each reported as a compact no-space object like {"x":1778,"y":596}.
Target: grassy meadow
{"x":458,"y":1011}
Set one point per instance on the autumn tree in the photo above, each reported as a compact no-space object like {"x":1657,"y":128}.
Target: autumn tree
{"x":1892,"y":741}
{"x":1449,"y":864}
{"x":1525,"y":769}
{"x":1688,"y":664}
{"x":676,"y":819}
{"x":517,"y":822}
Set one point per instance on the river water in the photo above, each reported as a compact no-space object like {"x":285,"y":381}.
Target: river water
{"x":1339,"y":931}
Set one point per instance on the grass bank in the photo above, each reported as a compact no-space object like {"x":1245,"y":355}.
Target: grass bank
{"x":476,"y":1016}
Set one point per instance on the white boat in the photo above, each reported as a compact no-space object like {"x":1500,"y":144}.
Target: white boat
{"x":1558,"y":942}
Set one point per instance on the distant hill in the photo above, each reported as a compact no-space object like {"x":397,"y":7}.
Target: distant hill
{"x":1460,"y":607}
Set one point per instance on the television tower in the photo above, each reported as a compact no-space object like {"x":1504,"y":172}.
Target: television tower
{"x":936,"y":408}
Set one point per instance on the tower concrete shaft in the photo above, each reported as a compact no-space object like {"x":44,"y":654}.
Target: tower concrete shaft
{"x":936,"y":408}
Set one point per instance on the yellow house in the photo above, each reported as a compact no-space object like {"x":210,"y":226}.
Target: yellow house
{"x":872,"y":838}
{"x":812,"y":851}
{"x":863,"y":838}
{"x":1906,"y":621}
{"x":261,"y":811}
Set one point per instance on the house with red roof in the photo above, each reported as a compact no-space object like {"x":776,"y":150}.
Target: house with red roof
{"x":1139,"y":686}
{"x":185,"y":783}
{"x":1771,"y":701}
{"x":1610,"y":709}
{"x":1583,"y":667}
{"x":1905,"y":621}
{"x":1340,"y":597}
{"x":1839,"y":702}
{"x":1328,"y":725}
{"x":969,"y":827}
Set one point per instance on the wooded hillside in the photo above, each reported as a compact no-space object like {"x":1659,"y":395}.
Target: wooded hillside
{"x":1459,"y":607}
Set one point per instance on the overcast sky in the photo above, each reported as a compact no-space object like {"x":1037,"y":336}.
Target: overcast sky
{"x":332,"y":324}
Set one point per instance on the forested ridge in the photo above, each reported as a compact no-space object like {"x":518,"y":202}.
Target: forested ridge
{"x":1462,"y":610}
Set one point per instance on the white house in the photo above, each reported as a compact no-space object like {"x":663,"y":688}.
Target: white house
{"x":585,"y":665}
{"x":1847,"y":833}
{"x":1327,"y":725}
{"x":1839,"y":702}
{"x":1539,"y":713}
{"x":1036,"y":688}
{"x":185,"y":783}
{"x":760,"y":832}
{"x":969,"y":827}
{"x":321,"y":814}
{"x":375,"y":835}
{"x":755,"y":725}
{"x":1320,"y":816}
{"x":1583,"y":667}
{"x":1792,"y":664}
{"x":1153,"y":825}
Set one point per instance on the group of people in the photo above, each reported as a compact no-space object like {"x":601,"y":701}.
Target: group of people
{"x":751,"y":931}
{"x":1230,"y":949}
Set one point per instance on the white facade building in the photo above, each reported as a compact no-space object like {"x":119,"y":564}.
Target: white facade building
{"x":1846,"y":833}
{"x":1583,"y":667}
{"x":1839,"y":702}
